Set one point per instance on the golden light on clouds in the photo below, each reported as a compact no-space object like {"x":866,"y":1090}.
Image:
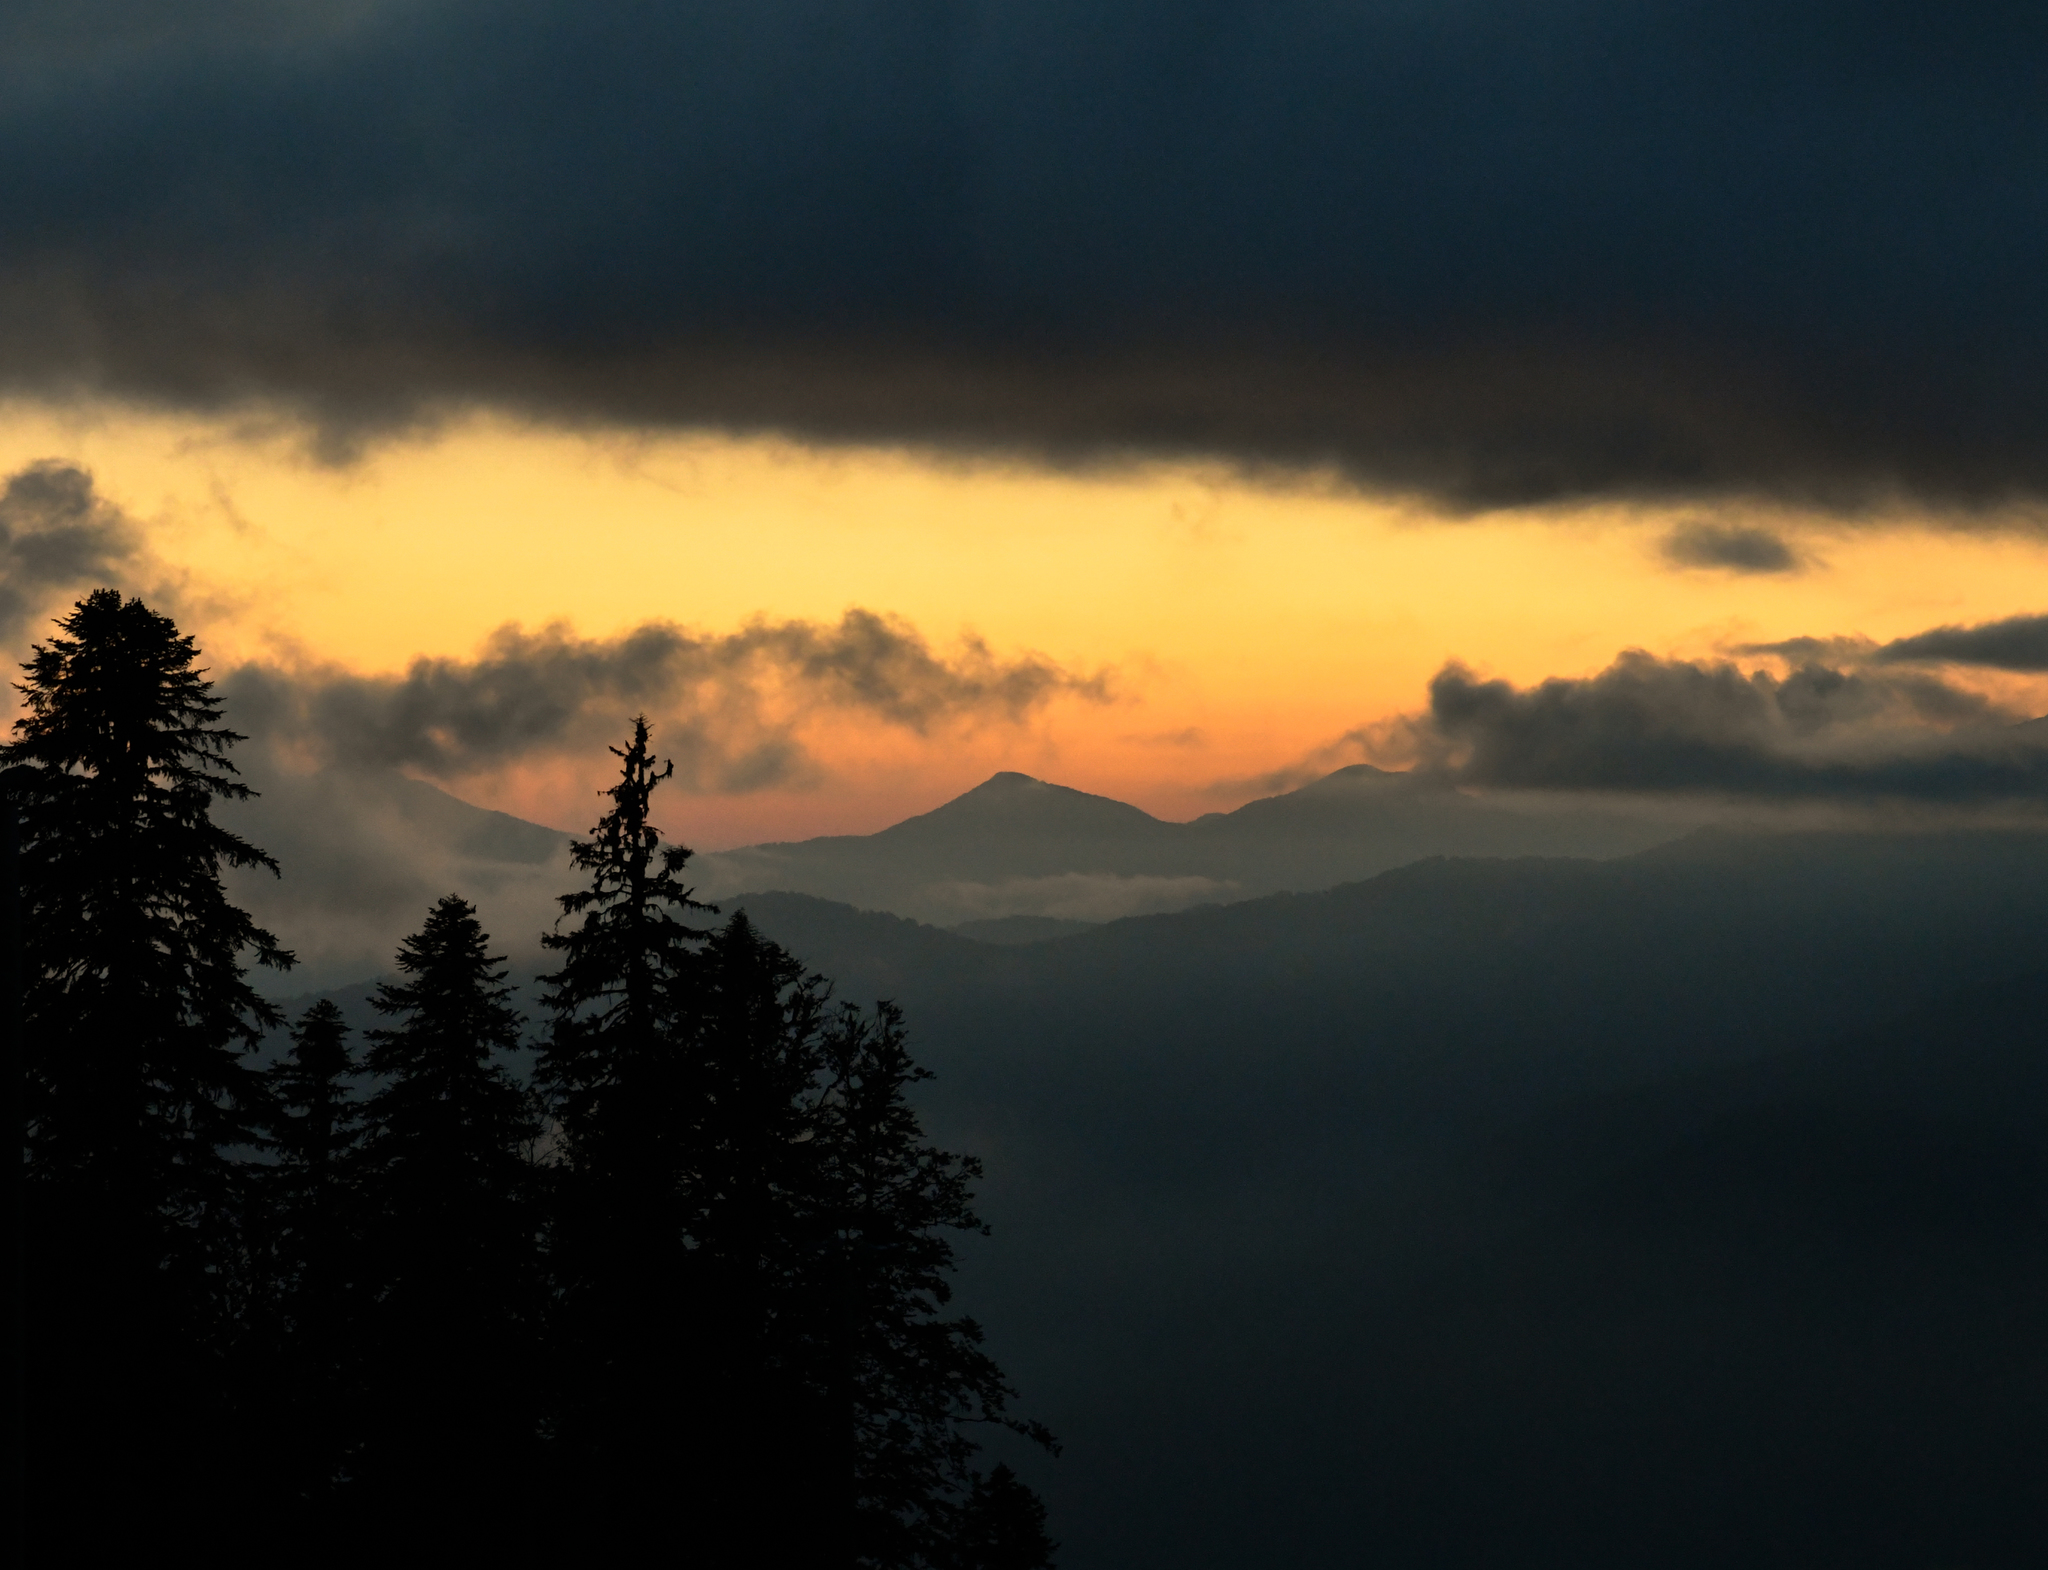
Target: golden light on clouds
{"x":1245,"y":626}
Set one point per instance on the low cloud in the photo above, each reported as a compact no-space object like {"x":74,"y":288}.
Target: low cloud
{"x":363,"y":855}
{"x":1745,"y":548}
{"x":729,"y":707}
{"x":1076,"y":896}
{"x":2015,"y":643}
{"x":1394,"y":742}
{"x":1669,"y":726}
{"x":2018,"y":643}
{"x":57,"y":533}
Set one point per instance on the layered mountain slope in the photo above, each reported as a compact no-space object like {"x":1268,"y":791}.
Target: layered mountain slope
{"x":1017,"y":846}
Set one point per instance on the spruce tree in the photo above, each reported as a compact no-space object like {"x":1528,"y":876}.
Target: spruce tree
{"x":451,"y":1246}
{"x":760,"y":1220}
{"x":907,"y":1381}
{"x":136,"y":1016}
{"x":1000,"y":1526}
{"x":315,"y":1254}
{"x":626,"y":1094}
{"x":749,"y":1245}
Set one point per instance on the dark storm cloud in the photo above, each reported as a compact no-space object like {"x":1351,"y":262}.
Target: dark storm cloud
{"x":2018,"y":643}
{"x":1734,"y":547}
{"x":726,"y":706}
{"x":1500,"y":251}
{"x":56,"y":533}
{"x":1652,"y":725}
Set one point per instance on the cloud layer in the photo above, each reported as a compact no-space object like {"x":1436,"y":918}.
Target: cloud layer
{"x":1681,"y":726}
{"x":730,"y":707}
{"x":56,"y":533}
{"x":2018,"y":643}
{"x":1497,"y":252}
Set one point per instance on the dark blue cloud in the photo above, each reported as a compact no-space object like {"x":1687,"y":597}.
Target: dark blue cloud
{"x":1681,"y":726}
{"x":1499,"y":250}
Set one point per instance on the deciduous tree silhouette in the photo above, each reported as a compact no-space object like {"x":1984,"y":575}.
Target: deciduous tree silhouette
{"x":136,"y":1015}
{"x":451,"y":1232}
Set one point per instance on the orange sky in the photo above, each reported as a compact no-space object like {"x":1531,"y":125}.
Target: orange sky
{"x":1245,"y":627}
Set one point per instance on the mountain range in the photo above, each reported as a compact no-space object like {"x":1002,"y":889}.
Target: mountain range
{"x":1685,"y":1208}
{"x":1017,"y":846}
{"x":364,"y":853}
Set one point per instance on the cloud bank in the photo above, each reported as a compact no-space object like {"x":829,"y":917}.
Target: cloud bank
{"x":2018,"y":643}
{"x":729,"y":707}
{"x":1660,"y":726}
{"x":1499,"y":252}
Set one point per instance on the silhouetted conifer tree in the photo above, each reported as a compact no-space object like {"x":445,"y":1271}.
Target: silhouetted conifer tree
{"x":907,"y":1381}
{"x":755,"y":1358}
{"x":759,"y":1220}
{"x":627,"y":1097}
{"x":1001,"y":1526}
{"x":136,"y":1013}
{"x":315,"y":1254}
{"x":451,"y":1234}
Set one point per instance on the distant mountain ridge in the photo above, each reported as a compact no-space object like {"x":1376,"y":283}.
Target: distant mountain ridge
{"x":364,"y":853}
{"x":1019,"y":846}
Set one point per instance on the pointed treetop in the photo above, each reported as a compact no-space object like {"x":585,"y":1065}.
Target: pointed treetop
{"x":117,"y":695}
{"x":624,"y":850}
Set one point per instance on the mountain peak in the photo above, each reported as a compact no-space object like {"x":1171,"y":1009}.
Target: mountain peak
{"x":1011,"y":803}
{"x":1008,"y":780}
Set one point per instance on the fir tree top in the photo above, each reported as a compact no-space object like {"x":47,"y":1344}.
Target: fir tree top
{"x":116,"y":706}
{"x":135,"y":993}
{"x":310,"y":1085}
{"x":623,"y":984}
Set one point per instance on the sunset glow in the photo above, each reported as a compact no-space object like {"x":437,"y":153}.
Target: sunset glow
{"x":1243,"y":627}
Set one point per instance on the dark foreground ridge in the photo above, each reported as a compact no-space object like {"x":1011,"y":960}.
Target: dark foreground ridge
{"x":1689,"y":1209}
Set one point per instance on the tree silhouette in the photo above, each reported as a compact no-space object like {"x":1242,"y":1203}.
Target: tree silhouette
{"x":135,"y":1013}
{"x":748,"y":1243}
{"x":759,"y":1219}
{"x":1001,"y":1526}
{"x":627,"y":1096}
{"x":451,"y":1232}
{"x":315,"y":1254}
{"x":908,"y":1381}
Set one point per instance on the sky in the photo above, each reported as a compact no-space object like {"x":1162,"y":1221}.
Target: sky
{"x":1175,"y":402}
